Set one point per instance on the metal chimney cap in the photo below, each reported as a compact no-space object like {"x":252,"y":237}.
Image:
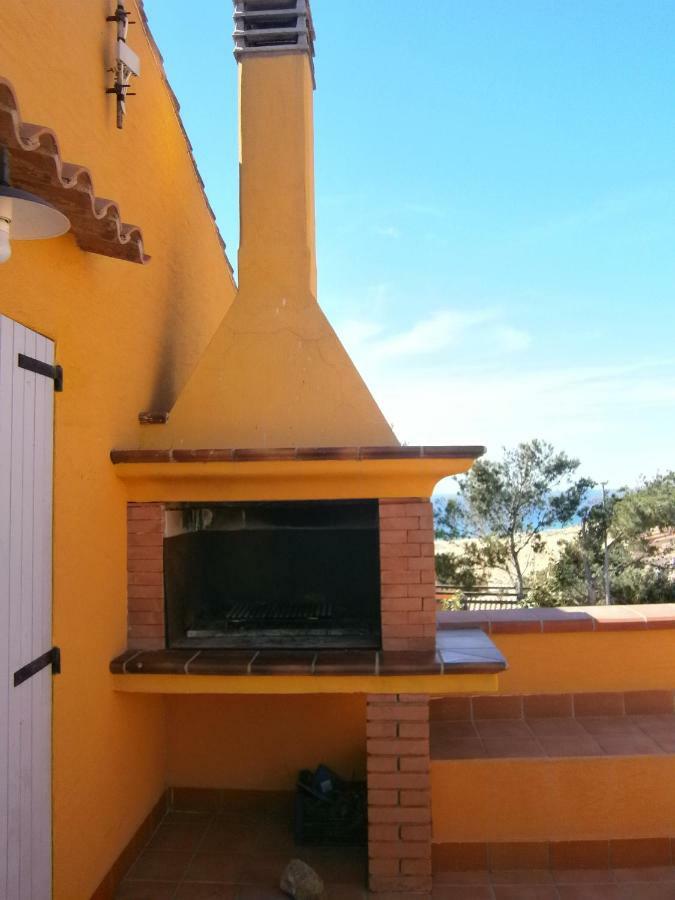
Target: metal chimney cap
{"x":273,"y":27}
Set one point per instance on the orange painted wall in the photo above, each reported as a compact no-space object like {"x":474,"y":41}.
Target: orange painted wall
{"x":576,"y":799}
{"x":587,"y":661}
{"x":261,"y":742}
{"x":127,"y":337}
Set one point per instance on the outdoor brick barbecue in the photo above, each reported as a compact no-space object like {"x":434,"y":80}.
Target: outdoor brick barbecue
{"x":368,"y":572}
{"x":280,"y":537}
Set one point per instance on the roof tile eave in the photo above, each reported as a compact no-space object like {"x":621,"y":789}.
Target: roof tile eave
{"x":38,"y":167}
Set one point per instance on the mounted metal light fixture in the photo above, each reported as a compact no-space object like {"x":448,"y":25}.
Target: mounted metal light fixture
{"x":24,"y":216}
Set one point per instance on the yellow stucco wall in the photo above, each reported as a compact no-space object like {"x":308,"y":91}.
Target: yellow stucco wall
{"x":589,"y":798}
{"x":261,"y":742}
{"x":127,"y":337}
{"x":588,"y":661}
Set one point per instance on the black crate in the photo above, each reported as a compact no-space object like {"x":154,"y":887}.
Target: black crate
{"x":330,"y":811}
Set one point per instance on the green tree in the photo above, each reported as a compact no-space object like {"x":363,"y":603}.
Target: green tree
{"x":503,"y":507}
{"x":630,"y":524}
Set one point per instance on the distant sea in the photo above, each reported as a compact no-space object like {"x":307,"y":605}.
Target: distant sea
{"x":594,"y":497}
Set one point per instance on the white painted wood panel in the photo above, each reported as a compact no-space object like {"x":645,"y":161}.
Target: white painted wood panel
{"x":26,"y":447}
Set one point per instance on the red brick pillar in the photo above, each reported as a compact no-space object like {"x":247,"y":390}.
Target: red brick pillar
{"x":399,"y":794}
{"x":145,"y":576}
{"x":407,"y":575}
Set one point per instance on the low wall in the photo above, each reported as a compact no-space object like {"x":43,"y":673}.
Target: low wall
{"x":576,"y":649}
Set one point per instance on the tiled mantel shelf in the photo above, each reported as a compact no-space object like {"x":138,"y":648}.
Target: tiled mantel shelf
{"x":468,"y":655}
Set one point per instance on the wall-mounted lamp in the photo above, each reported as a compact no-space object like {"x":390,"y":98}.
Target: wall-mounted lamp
{"x":23,"y":216}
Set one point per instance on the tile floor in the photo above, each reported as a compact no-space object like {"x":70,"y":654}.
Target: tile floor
{"x":235,"y":854}
{"x":553,"y":737}
{"x":655,"y":883}
{"x":239,"y":854}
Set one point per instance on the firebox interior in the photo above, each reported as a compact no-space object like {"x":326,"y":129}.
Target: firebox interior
{"x":280,"y":575}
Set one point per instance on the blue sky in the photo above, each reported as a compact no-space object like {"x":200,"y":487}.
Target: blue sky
{"x":495,"y":207}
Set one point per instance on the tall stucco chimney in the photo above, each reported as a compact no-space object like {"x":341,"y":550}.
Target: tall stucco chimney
{"x":275,"y":373}
{"x":274,"y":47}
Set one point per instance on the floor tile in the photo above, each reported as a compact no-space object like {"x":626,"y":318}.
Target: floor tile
{"x":345,"y":892}
{"x":478,"y":876}
{"x":645,"y":891}
{"x":589,"y":892}
{"x":504,"y":729}
{"x":190,"y":890}
{"x":556,"y":727}
{"x":653,"y":725}
{"x":606,"y":725}
{"x":185,"y":817}
{"x":628,"y":745}
{"x":159,"y":865}
{"x":228,"y":837}
{"x":572,"y":746}
{"x":145,"y":890}
{"x":262,"y":870}
{"x":462,"y":892}
{"x":646,"y":873}
{"x":522,"y":876}
{"x":525,"y":892}
{"x":259,"y":892}
{"x":512,"y":748}
{"x":456,"y":748}
{"x":583,"y":876}
{"x":454,"y":729}
{"x":217,"y":867}
{"x":178,"y":836}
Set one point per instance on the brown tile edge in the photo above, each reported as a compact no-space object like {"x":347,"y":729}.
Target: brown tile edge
{"x":234,"y":662}
{"x":574,"y":854}
{"x":229,"y":454}
{"x":112,"y":879}
{"x":562,"y":620}
{"x":612,"y":704}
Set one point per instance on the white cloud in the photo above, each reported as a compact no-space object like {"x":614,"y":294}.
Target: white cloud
{"x":512,"y":339}
{"x":440,"y":331}
{"x":606,"y":417}
{"x":460,"y":377}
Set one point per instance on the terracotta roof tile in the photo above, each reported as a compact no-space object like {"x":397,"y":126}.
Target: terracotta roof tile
{"x":37,"y":166}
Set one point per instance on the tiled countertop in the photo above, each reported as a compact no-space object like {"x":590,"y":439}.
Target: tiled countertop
{"x":463,"y":651}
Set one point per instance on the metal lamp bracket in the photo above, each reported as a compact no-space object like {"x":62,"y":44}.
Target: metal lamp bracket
{"x":127,"y":63}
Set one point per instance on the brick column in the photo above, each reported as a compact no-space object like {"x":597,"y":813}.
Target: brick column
{"x":145,"y":576}
{"x":399,"y":793}
{"x":407,"y":575}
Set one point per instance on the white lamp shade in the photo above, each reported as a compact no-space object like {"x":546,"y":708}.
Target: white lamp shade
{"x":31,"y":218}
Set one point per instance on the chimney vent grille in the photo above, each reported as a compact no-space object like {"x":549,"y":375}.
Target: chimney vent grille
{"x":273,"y":26}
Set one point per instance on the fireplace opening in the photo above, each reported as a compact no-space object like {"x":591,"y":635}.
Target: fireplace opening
{"x":272,"y":575}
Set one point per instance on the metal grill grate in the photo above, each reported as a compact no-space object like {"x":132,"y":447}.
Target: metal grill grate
{"x":278,"y":612}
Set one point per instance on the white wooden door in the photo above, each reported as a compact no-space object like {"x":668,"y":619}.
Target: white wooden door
{"x":26,"y":450}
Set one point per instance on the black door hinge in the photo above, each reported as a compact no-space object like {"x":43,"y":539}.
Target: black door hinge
{"x":50,"y":658}
{"x":42,"y":368}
